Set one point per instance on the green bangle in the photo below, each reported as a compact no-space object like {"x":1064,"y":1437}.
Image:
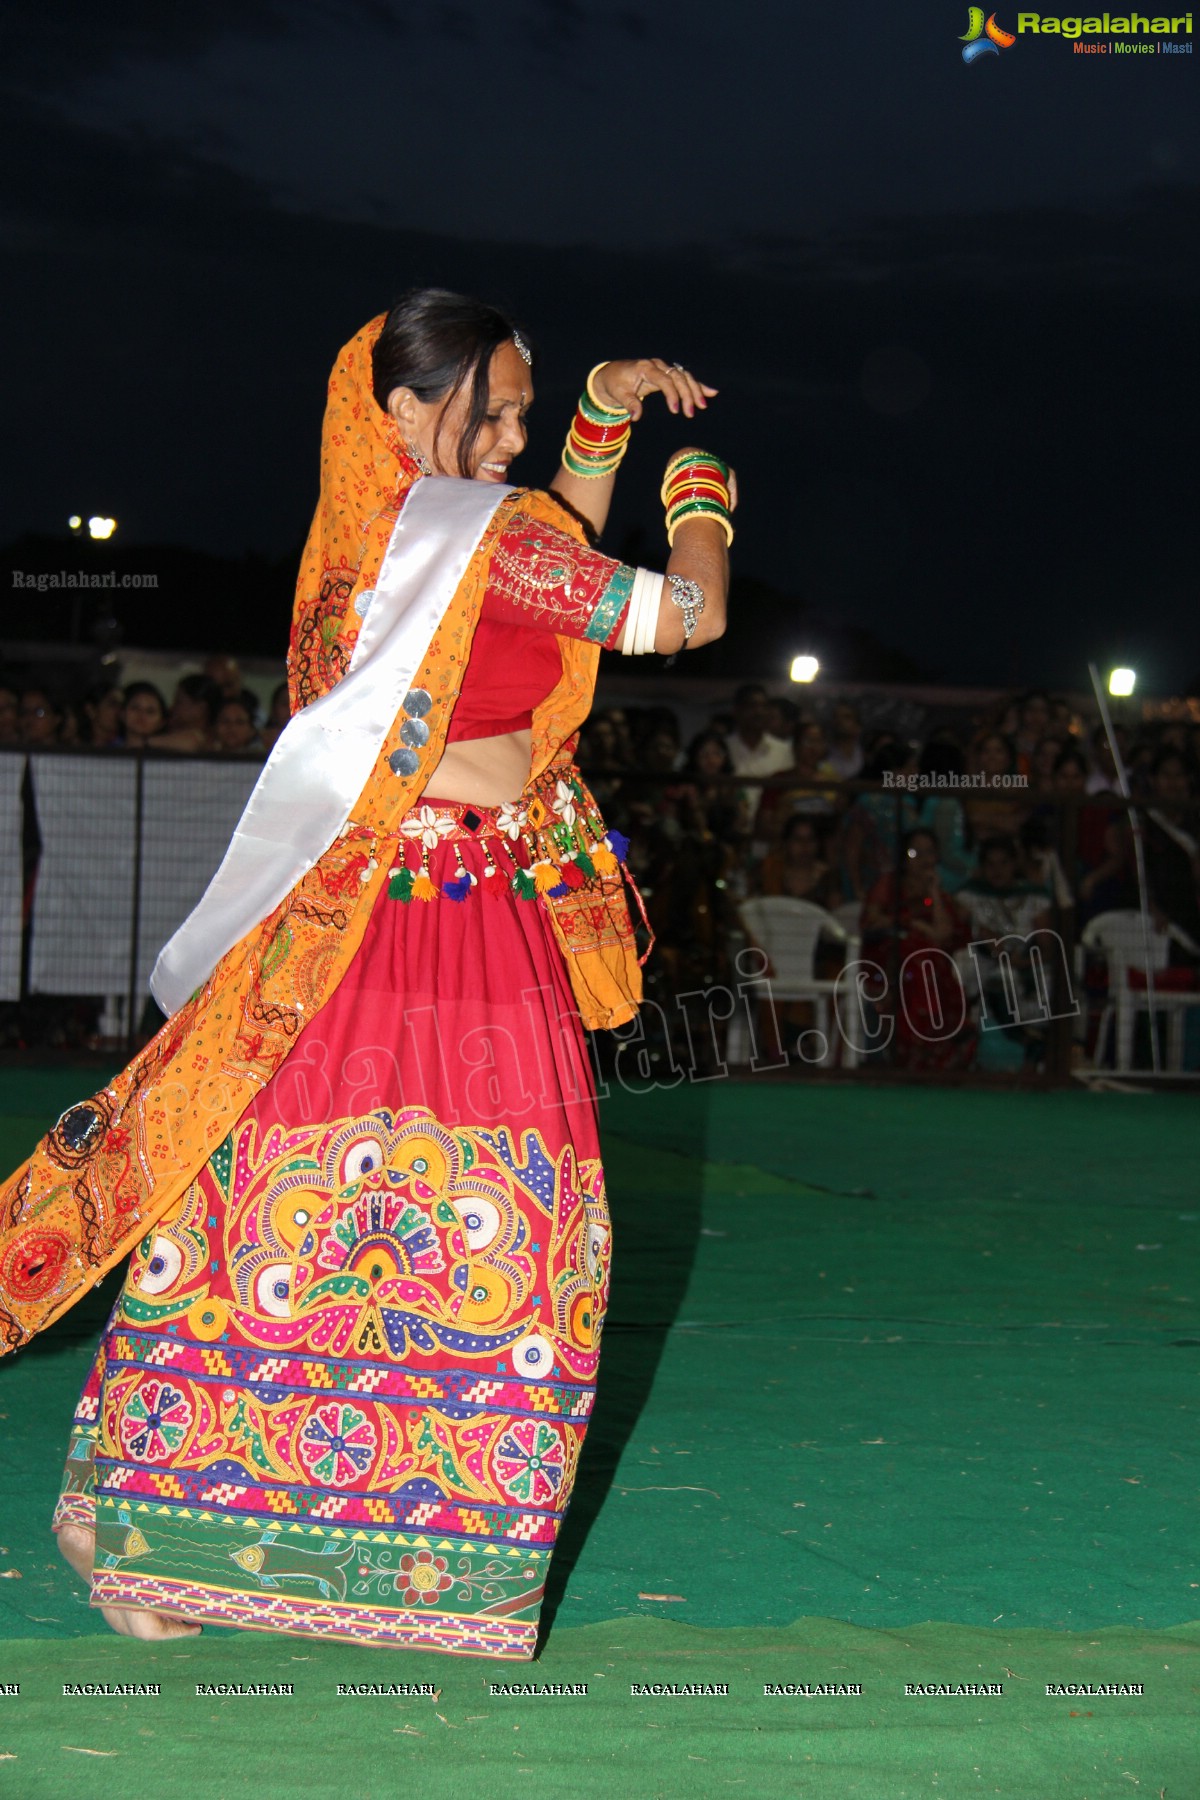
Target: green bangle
{"x":696,"y":506}
{"x":690,"y":457}
{"x":718,"y":516}
{"x":589,"y":472}
{"x":595,"y":416}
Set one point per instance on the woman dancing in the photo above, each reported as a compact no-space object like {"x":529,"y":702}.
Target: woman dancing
{"x":345,"y":1386}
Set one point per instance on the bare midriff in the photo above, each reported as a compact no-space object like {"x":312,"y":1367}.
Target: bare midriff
{"x":482,"y":771}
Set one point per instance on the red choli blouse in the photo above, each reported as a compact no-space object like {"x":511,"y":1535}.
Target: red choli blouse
{"x":542,"y":585}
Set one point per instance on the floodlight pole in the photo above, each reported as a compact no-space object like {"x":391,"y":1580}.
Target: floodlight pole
{"x":1139,"y":855}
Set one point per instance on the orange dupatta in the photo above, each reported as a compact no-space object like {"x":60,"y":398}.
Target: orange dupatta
{"x":114,"y":1164}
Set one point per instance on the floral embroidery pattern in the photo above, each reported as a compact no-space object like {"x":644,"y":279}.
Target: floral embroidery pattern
{"x":337,"y":1444}
{"x":155,"y":1421}
{"x":529,"y":1462}
{"x":422,"y":1578}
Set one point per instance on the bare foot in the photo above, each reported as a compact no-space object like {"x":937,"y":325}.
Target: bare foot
{"x":78,"y":1545}
{"x":140,"y":1622}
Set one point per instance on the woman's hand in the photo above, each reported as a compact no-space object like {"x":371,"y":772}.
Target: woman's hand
{"x":626,"y":384}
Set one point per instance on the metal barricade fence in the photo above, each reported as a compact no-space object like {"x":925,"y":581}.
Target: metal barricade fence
{"x":881,"y":964}
{"x":105,"y":854}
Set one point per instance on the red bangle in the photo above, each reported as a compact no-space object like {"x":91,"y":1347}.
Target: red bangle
{"x":597,"y":436}
{"x":698,"y":490}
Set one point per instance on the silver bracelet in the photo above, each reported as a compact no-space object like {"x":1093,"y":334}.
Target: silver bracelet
{"x":689,"y":598}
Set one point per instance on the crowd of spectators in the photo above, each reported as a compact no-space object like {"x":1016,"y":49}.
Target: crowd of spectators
{"x":991,"y":829}
{"x":992,"y":826}
{"x":209,"y":712}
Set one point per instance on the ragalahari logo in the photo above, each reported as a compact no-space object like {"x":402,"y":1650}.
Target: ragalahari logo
{"x":983,"y":37}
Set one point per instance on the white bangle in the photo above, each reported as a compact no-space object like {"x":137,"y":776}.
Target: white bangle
{"x":641,"y":621}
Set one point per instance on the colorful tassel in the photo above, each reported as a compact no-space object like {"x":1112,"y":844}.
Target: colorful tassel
{"x":458,"y":888}
{"x":585,"y":865}
{"x":573,"y":876}
{"x":524,"y":886}
{"x":618,"y":843}
{"x":603,"y":860}
{"x":545,"y":876}
{"x":423,"y":888}
{"x":400,"y":884}
{"x":493,"y":884}
{"x":557,"y":893}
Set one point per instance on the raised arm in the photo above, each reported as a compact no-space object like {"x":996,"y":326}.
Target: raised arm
{"x":599,"y":432}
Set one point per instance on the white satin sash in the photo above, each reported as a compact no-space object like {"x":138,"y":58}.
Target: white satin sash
{"x":324,"y":756}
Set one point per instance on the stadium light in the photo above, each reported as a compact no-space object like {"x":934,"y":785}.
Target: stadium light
{"x":1121,"y":683}
{"x":805,"y":668}
{"x":74,"y":522}
{"x":99,"y":527}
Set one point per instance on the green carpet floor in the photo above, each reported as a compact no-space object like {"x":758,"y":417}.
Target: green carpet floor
{"x":898,"y":1387}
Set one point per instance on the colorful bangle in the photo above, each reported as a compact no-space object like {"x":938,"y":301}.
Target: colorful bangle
{"x":686,"y":507}
{"x":590,"y":443}
{"x":590,"y":470}
{"x":693,"y":456}
{"x":698,"y":490}
{"x":691,"y":463}
{"x":699,"y":510}
{"x":597,"y":416}
{"x":598,"y":436}
{"x":612,"y":412}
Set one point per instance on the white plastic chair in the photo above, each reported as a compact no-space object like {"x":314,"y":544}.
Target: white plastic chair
{"x":1120,"y":939}
{"x":788,"y":932}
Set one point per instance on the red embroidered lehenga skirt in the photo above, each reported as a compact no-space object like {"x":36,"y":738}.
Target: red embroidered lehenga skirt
{"x":346,"y":1385}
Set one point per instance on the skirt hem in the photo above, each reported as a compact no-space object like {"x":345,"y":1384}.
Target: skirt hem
{"x":450,"y":1635}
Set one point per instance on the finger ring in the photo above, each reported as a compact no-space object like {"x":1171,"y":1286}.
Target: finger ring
{"x":680,"y":367}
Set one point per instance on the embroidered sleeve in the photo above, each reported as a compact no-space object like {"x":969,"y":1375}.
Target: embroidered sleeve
{"x":542,"y":578}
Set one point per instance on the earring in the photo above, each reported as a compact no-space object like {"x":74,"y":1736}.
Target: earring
{"x":423,"y":463}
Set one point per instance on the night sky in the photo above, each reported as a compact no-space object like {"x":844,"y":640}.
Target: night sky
{"x":951,"y":308}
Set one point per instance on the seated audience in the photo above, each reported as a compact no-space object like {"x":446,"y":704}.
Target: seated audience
{"x":10,"y":715}
{"x":798,"y":867}
{"x":911,"y":929}
{"x":1173,"y":854}
{"x":846,"y":755}
{"x":1000,"y":807}
{"x":278,"y":714}
{"x":876,"y":821}
{"x":40,"y":718}
{"x":235,"y":733}
{"x":192,"y":716}
{"x":751,"y":747}
{"x":99,"y":717}
{"x":940,"y":807}
{"x":143,"y":717}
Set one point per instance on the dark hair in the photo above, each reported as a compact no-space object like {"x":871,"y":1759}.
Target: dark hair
{"x":1068,"y":756}
{"x":697,"y":744}
{"x":802,"y":818}
{"x":242,"y":702}
{"x":942,"y":755}
{"x":434,"y":342}
{"x":137,"y":688}
{"x":920,"y":831}
{"x":747,"y":691}
{"x":1010,"y":749}
{"x":1008,"y":845}
{"x":204,"y":689}
{"x":1169,"y":754}
{"x":888,"y":755}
